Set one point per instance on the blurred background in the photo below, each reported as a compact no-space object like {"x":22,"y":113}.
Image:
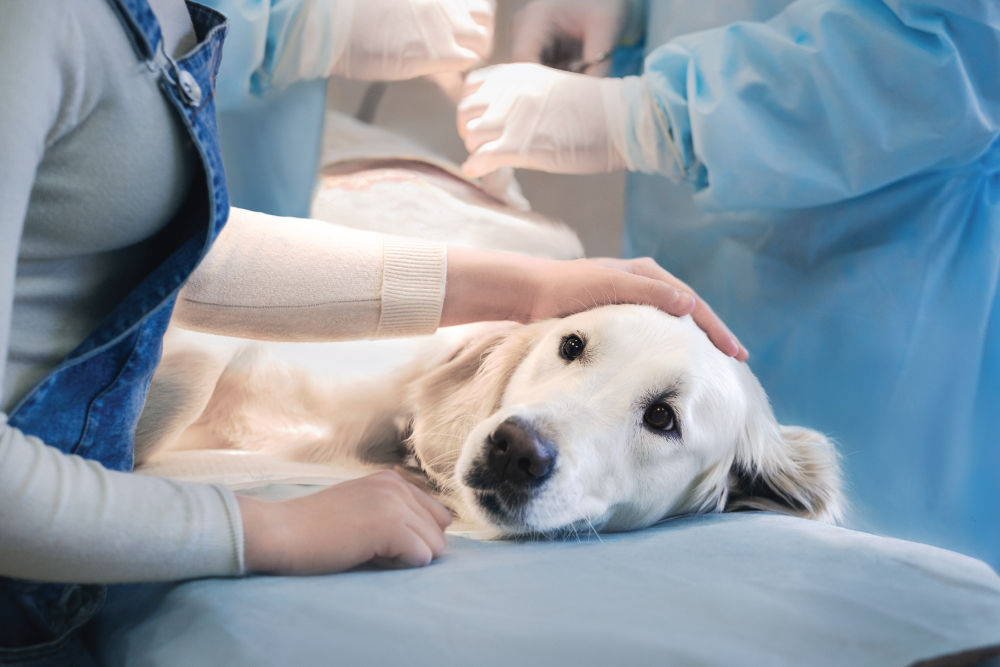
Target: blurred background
{"x":420,"y":110}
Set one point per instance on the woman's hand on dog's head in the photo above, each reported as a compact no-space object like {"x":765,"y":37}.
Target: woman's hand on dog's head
{"x":701,"y":313}
{"x":484,"y":285}
{"x":380,"y":519}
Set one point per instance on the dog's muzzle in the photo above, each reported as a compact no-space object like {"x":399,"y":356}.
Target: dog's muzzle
{"x":517,"y":455}
{"x":516,"y":461}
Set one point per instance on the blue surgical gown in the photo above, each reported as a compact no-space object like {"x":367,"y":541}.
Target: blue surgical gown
{"x":270,"y":127}
{"x":833,"y":191}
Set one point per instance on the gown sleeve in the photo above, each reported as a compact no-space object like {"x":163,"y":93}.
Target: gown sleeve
{"x":272,"y":44}
{"x":828,"y":100}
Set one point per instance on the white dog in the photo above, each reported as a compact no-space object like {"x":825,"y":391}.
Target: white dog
{"x":610,"y":419}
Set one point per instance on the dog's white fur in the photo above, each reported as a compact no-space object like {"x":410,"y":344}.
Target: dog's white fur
{"x":440,"y":415}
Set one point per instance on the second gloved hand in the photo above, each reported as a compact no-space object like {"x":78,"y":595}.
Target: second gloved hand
{"x":535,"y":117}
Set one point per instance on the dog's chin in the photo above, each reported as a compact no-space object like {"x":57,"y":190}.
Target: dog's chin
{"x":509,"y":516}
{"x":502,"y":512}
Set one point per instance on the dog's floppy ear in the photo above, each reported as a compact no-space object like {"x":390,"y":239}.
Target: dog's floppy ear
{"x":475,"y":371}
{"x":788,"y":469}
{"x":465,"y":388}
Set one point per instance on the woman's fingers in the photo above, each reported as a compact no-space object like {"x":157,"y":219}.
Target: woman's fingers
{"x":408,"y":549}
{"x":417,"y":534}
{"x":440,"y":514}
{"x":700,"y":312}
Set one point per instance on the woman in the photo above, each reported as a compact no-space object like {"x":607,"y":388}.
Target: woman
{"x":111,"y":194}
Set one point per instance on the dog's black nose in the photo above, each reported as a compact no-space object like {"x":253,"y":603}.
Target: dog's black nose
{"x":519,"y":455}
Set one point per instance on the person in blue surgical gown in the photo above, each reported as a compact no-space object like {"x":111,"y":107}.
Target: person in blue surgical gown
{"x":279,"y":56}
{"x":825,"y":173}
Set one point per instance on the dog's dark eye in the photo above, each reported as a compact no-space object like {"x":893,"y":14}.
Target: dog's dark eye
{"x":571,"y":347}
{"x":660,"y":417}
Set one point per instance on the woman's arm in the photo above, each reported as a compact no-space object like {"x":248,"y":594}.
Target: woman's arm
{"x":276,"y":278}
{"x":66,"y":518}
{"x":295,"y":279}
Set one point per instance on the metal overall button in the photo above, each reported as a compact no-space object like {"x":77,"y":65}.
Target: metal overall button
{"x":188,"y":87}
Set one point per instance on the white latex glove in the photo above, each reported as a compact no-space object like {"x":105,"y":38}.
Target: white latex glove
{"x":569,"y":34}
{"x":386,"y":40}
{"x":535,"y":117}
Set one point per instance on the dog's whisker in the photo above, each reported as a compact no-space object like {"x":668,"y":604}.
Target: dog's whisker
{"x":593,"y":529}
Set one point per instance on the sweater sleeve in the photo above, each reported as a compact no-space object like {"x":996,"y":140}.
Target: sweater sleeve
{"x":275,"y":43}
{"x":294,"y":279}
{"x":65,"y":518}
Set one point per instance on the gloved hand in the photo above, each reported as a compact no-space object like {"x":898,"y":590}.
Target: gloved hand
{"x":567,"y":33}
{"x":384,"y":40}
{"x":526,"y":115}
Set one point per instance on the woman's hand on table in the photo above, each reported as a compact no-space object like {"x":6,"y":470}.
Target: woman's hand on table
{"x":379,"y":519}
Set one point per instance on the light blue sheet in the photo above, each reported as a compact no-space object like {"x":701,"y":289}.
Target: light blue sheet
{"x":735,"y":589}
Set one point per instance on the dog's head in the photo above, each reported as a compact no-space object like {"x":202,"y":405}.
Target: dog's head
{"x":611,"y":419}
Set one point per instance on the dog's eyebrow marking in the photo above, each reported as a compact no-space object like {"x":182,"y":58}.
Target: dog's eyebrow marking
{"x":668,"y":395}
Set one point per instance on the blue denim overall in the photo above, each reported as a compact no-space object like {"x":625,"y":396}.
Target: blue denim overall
{"x":90,"y":403}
